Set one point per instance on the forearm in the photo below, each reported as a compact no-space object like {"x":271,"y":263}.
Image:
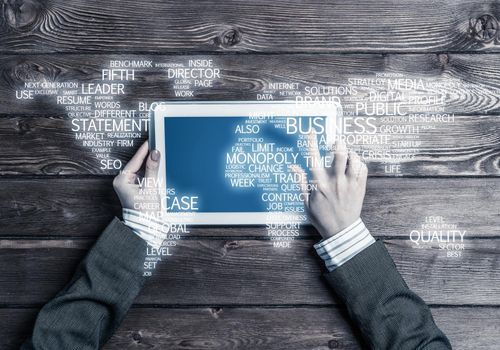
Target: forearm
{"x":89,"y":309}
{"x":388,"y":313}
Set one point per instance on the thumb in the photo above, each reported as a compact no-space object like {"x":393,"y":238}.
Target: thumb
{"x":152,"y":165}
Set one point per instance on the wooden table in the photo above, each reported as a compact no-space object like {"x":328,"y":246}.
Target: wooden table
{"x":228,"y":288}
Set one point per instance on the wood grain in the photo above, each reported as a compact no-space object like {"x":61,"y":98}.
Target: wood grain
{"x":227,"y":287}
{"x":241,"y":26}
{"x":256,"y":328}
{"x":47,"y":146}
{"x":468,"y":146}
{"x":297,"y":328}
{"x":253,"y":272}
{"x":393,"y":207}
{"x":468,"y":82}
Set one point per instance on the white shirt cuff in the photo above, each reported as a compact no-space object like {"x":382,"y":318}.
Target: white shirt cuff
{"x":337,"y":250}
{"x":149,"y":228}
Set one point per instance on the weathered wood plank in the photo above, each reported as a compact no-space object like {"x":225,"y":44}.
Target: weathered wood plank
{"x":64,"y":206}
{"x":393,"y":207}
{"x":251,"y":272}
{"x":469,"y":83}
{"x":241,"y":26}
{"x":38,"y":145}
{"x":297,"y":328}
{"x":257,"y":328}
{"x":469,"y":145}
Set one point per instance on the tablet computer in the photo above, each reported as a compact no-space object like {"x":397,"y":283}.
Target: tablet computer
{"x":227,"y":163}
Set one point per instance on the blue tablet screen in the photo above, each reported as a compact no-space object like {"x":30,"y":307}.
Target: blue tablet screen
{"x":233,"y":164}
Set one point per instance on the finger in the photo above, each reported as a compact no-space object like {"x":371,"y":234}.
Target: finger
{"x":297,"y":169}
{"x":152,"y":165}
{"x":125,"y":178}
{"x":363,"y":173}
{"x":339,"y":158}
{"x":135,"y":164}
{"x":354,"y":165}
{"x":318,"y":172}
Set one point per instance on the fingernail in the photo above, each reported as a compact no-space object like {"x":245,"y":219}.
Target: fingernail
{"x":155,"y":155}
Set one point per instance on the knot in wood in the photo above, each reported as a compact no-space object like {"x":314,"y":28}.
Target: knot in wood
{"x":27,"y":71}
{"x":484,"y":28}
{"x":20,"y":14}
{"x":215,"y":311}
{"x":23,"y":127}
{"x":231,"y":245}
{"x":230,"y":38}
{"x":137,"y":337}
{"x":444,"y":59}
{"x":333,"y":344}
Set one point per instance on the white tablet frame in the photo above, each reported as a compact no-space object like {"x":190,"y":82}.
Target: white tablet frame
{"x":158,"y":111}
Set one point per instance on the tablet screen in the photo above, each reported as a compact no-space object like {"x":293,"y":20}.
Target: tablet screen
{"x":238,"y":164}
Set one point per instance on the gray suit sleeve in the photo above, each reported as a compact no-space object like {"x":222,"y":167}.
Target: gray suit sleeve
{"x":89,"y":309}
{"x":387,"y":312}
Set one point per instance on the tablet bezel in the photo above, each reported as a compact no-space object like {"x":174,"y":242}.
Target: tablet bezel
{"x":158,"y":111}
